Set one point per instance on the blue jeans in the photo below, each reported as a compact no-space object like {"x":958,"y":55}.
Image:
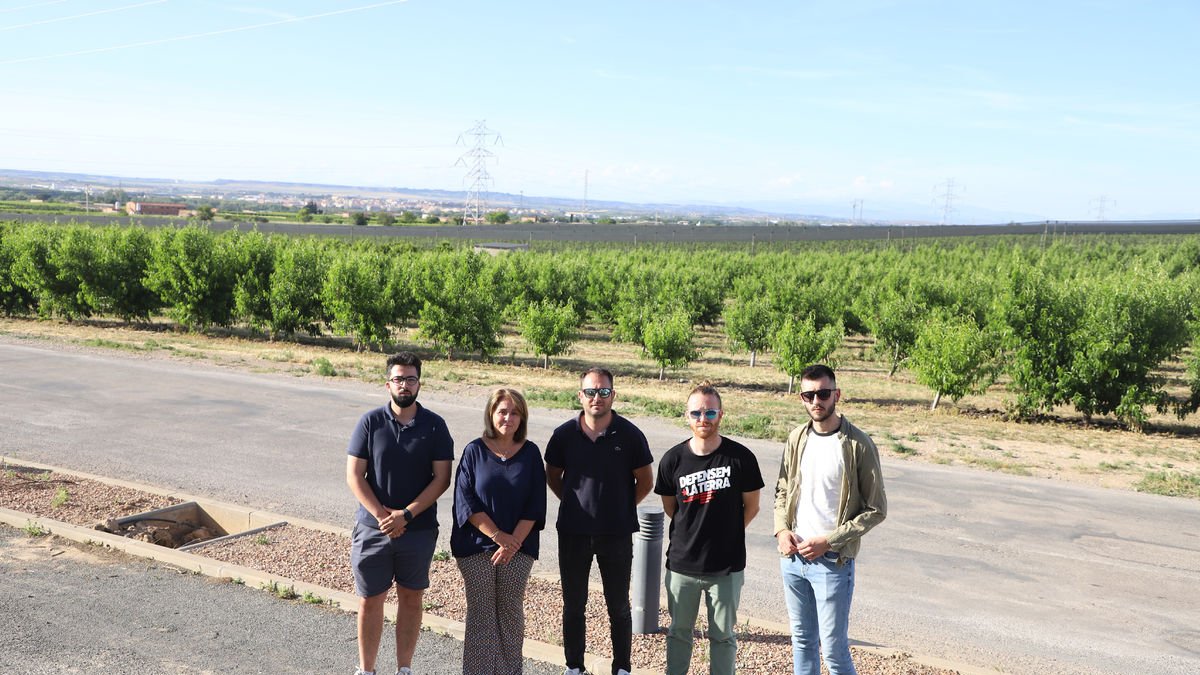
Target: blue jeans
{"x":722,"y":594}
{"x":818,"y":595}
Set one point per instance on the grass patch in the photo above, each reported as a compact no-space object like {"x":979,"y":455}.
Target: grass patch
{"x":552,"y":398}
{"x":442,"y":555}
{"x":322,"y":366}
{"x":34,"y":530}
{"x":1170,"y":484}
{"x":262,"y":540}
{"x":280,"y":591}
{"x":1013,"y":468}
{"x":1116,"y":466}
{"x":755,"y":426}
{"x":902,"y":449}
{"x":60,"y":498}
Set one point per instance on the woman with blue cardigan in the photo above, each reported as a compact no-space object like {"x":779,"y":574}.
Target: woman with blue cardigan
{"x":499,"y":508}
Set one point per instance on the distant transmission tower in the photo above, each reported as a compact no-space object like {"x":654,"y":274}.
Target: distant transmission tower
{"x":1099,"y":204}
{"x":475,"y":159}
{"x":856,"y":211}
{"x":945,"y":196}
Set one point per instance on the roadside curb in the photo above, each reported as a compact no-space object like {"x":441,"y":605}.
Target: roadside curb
{"x":197,"y":564}
{"x":348,"y":602}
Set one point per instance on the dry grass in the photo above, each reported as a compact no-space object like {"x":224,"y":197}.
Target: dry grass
{"x":975,"y":432}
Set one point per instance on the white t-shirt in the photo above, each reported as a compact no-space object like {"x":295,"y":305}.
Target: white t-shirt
{"x":821,"y":469}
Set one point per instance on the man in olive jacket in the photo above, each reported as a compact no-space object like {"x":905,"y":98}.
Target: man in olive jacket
{"x":829,"y":494}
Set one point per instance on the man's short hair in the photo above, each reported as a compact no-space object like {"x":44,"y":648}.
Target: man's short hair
{"x":518,"y":401}
{"x":706,"y":388}
{"x":404,"y":359}
{"x":597,"y":370}
{"x":818,"y":371}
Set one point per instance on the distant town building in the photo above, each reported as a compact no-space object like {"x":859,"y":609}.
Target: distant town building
{"x":155,"y":209}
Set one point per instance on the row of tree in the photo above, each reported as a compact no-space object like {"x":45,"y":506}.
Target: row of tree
{"x":1090,"y":323}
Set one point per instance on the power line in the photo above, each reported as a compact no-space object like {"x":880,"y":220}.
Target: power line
{"x":1099,"y":204}
{"x":477,"y":179}
{"x":945,"y":198}
{"x":35,"y":5}
{"x":80,"y":16}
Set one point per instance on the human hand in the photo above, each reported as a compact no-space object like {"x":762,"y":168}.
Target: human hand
{"x":508,"y":547}
{"x":813,"y":547}
{"x":393,"y":524}
{"x":787,"y":542}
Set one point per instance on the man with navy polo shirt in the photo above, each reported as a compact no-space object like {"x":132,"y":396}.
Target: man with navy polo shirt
{"x":398,"y":464}
{"x":598,"y":465}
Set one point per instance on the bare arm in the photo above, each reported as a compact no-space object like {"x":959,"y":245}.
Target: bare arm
{"x":750,"y":505}
{"x":669,"y":505}
{"x":437,"y":486}
{"x":643,"y":478}
{"x":356,"y":478}
{"x":554,"y":478}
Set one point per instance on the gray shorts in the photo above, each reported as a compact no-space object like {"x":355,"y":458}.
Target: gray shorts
{"x":378,"y":560}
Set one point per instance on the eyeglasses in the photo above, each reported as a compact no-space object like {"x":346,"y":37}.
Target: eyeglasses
{"x":710,"y":414}
{"x":410,"y":381}
{"x":819,"y":394}
{"x":602,"y":392}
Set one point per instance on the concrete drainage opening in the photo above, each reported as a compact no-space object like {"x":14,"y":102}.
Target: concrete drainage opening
{"x":186,"y":526}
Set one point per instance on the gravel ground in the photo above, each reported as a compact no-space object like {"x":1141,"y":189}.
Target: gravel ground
{"x":322,"y":558}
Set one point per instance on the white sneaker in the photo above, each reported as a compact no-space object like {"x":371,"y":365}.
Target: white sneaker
{"x":404,"y":671}
{"x":624,"y":672}
{"x":360,"y":671}
{"x":574,"y":671}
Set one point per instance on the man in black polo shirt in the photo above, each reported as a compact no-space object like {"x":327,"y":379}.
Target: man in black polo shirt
{"x":598,"y":464}
{"x":398,"y":464}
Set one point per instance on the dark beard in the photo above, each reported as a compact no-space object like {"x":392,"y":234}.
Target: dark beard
{"x":404,"y":401}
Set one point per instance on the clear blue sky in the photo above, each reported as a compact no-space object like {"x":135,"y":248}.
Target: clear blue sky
{"x":1041,"y":109}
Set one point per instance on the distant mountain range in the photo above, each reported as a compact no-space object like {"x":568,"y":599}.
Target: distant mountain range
{"x":879,"y":212}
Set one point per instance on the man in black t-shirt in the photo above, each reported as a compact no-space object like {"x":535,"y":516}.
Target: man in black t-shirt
{"x":598,"y":464}
{"x":710,"y":487}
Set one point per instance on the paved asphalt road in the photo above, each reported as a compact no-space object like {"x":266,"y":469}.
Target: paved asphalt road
{"x":995,"y":571}
{"x":70,"y":610}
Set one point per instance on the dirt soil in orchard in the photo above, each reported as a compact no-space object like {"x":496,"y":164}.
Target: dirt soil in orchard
{"x":974,"y":432}
{"x":323,"y":558}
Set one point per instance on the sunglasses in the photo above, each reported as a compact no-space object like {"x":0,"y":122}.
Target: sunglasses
{"x":710,"y":414}
{"x":818,"y":394}
{"x":602,"y":392}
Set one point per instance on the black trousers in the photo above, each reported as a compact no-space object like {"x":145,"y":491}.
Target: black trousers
{"x":614,"y":556}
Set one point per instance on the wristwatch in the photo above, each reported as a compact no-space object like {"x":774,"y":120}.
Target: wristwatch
{"x":408,"y":516}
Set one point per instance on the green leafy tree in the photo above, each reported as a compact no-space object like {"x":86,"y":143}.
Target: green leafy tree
{"x":497,"y":217}
{"x":360,"y":218}
{"x":408,"y":217}
{"x":193,"y":273}
{"x":432,"y":219}
{"x":462,"y":313}
{"x":748,"y":324}
{"x":798,"y":343}
{"x":1129,"y":326}
{"x":893,"y":319}
{"x":15,"y":299}
{"x":254,"y":256}
{"x":953,"y":357}
{"x":550,"y":329}
{"x":205,"y":213}
{"x":297,"y":278}
{"x":669,"y":340}
{"x":125,"y":254}
{"x":57,"y":266}
{"x":355,"y":299}
{"x":386,"y":219}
